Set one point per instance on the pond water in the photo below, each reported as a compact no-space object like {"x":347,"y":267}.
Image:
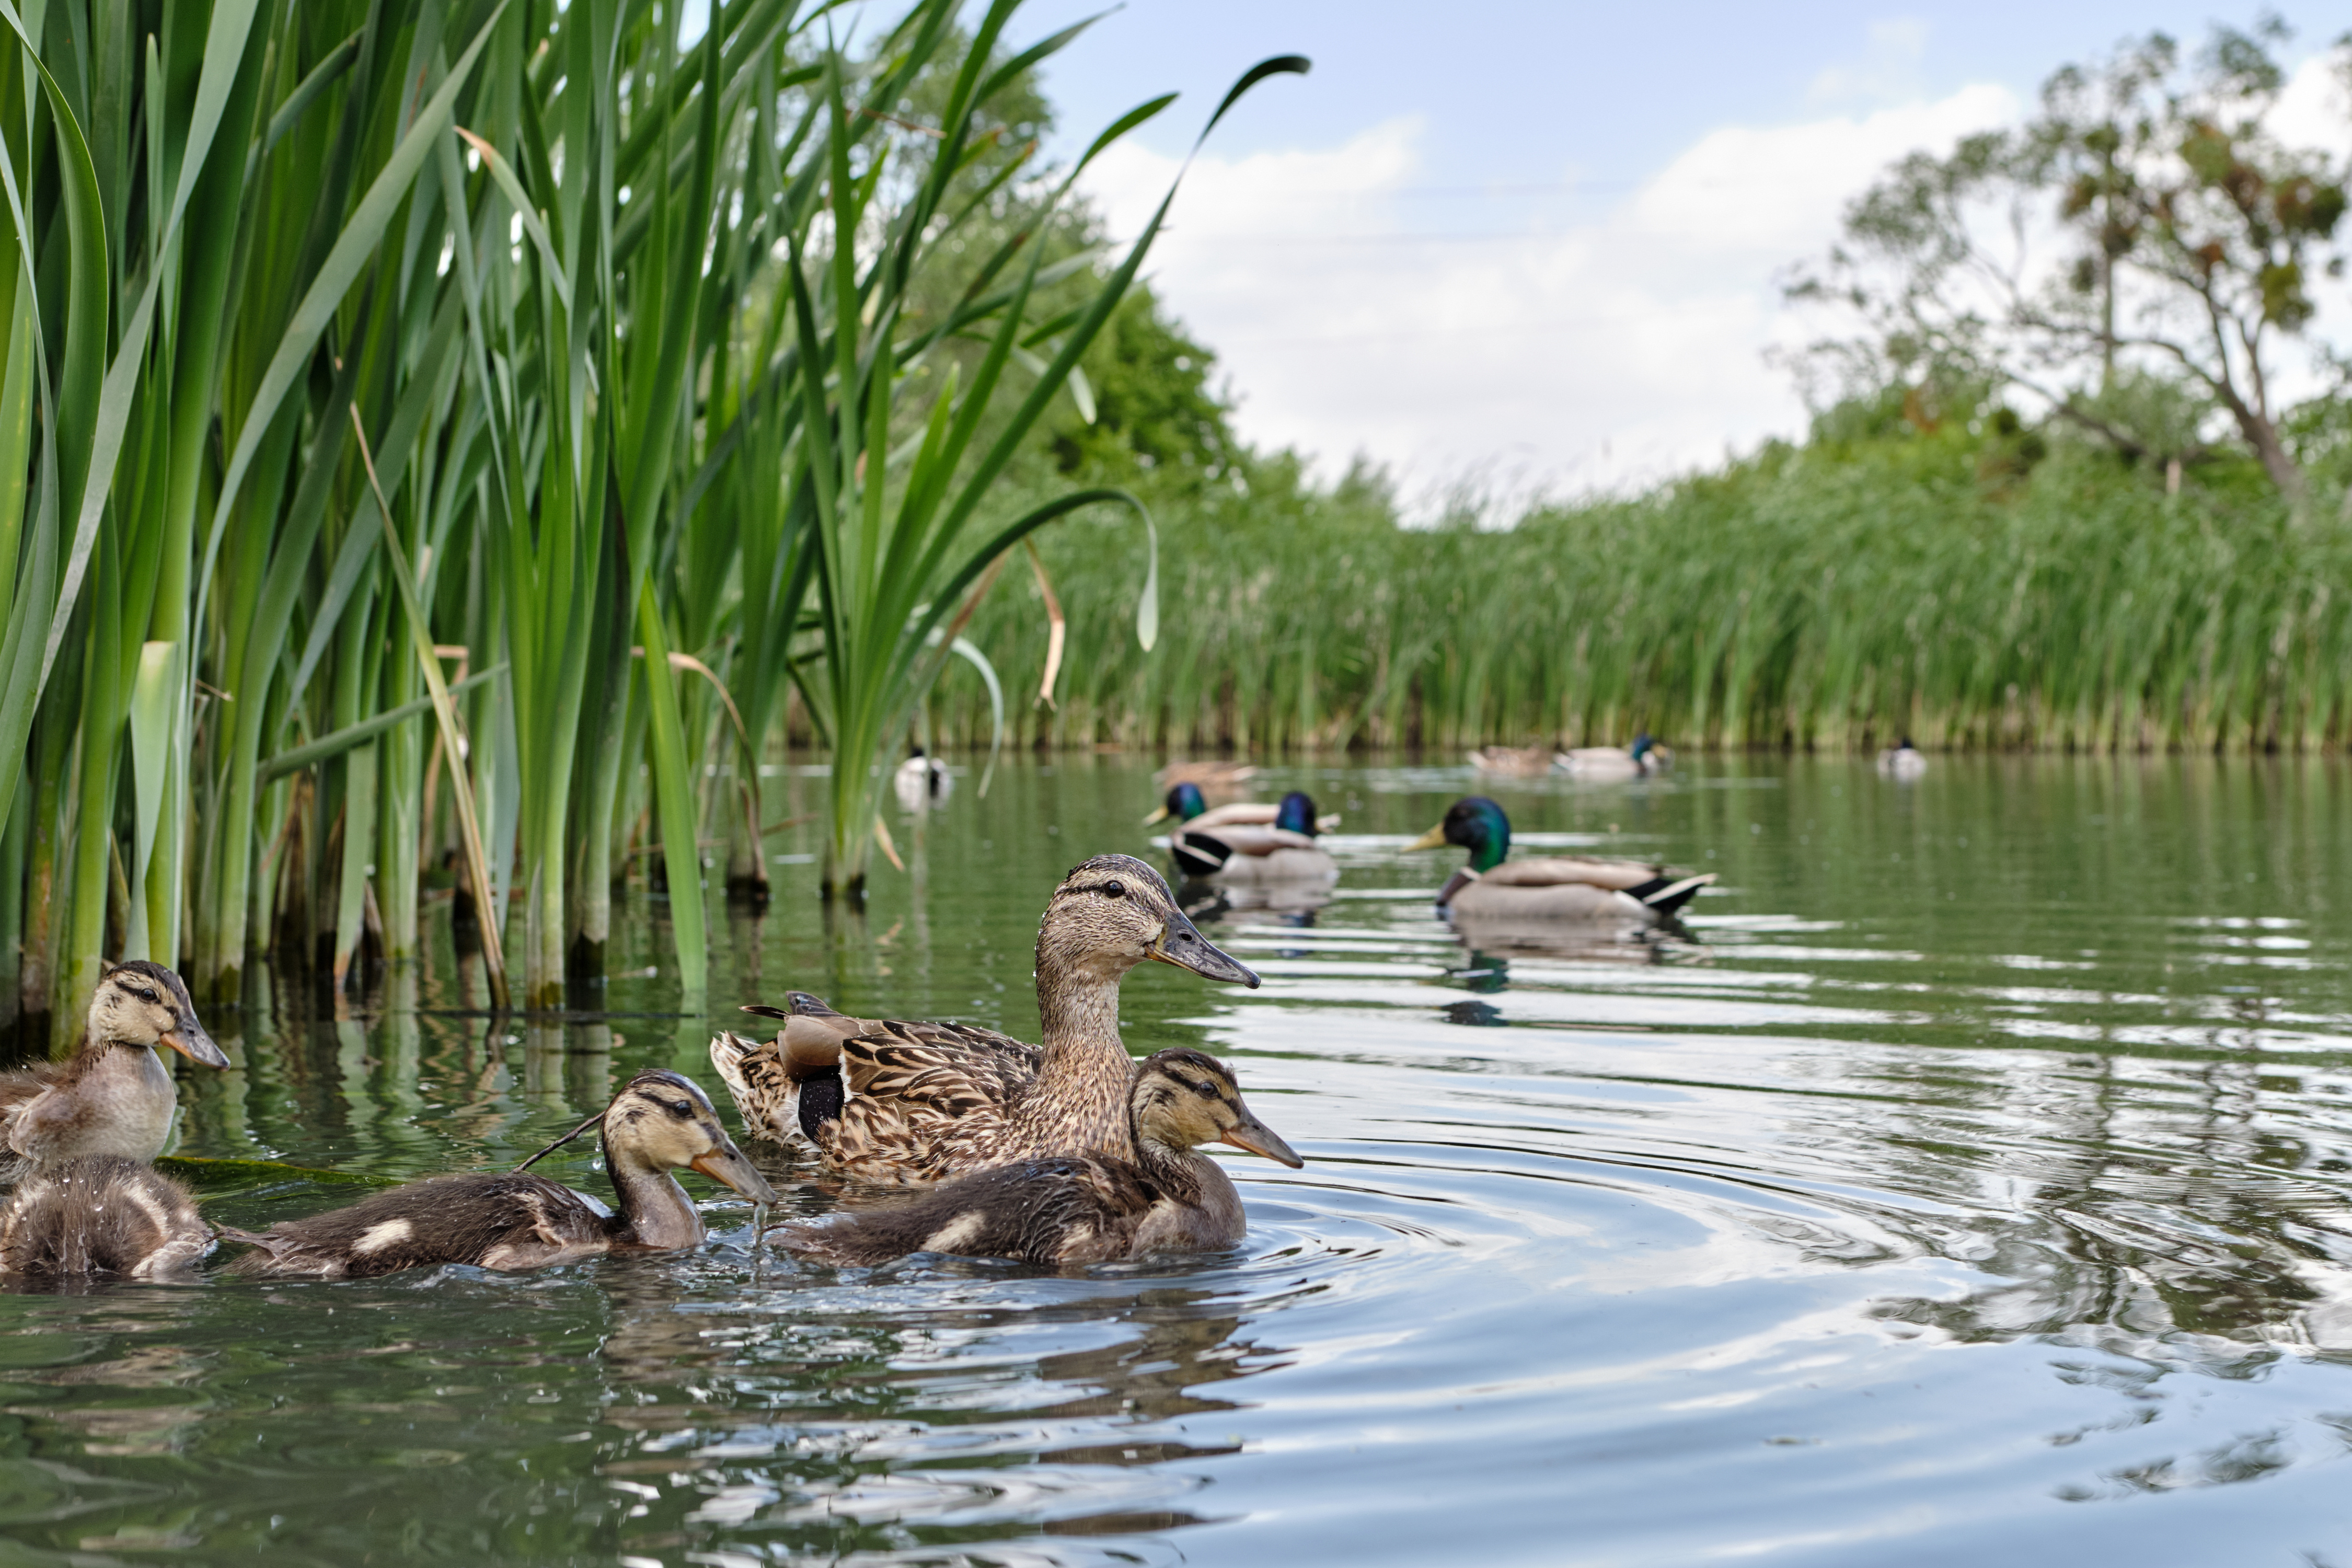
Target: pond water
{"x":1973,"y":1186}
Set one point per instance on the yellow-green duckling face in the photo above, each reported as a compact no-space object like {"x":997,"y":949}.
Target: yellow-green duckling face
{"x":1183,"y":1099}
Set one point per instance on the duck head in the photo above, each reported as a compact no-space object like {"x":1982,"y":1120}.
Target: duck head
{"x":661,"y":1120}
{"x":1184,"y":803}
{"x":1477,"y":824}
{"x":1642,"y":747}
{"x":1296,"y":813}
{"x":1183,"y":1099}
{"x":1113,"y":912}
{"x":141,"y":1002}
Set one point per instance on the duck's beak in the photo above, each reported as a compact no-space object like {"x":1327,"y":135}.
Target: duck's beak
{"x":1432,"y":839}
{"x":1162,"y":814}
{"x":1255,"y":1136}
{"x":1180,"y":944}
{"x":726,"y":1164}
{"x":188,"y":1038}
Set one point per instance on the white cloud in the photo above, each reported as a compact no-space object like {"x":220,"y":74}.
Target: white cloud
{"x":1590,"y":353}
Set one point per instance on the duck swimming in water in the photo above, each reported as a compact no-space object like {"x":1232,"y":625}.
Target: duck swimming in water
{"x":889,"y":1100}
{"x":660,"y":1121}
{"x":1902,"y":759}
{"x":1222,"y":847}
{"x":1558,"y":887}
{"x":100,"y":1214}
{"x":114,"y":1096}
{"x":1640,"y":760}
{"x":1083,"y":1208}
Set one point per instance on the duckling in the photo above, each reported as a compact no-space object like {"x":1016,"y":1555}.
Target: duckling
{"x":1215,"y":778}
{"x":1083,"y":1208}
{"x":1514,"y":761}
{"x":660,"y":1121}
{"x":1250,"y":855}
{"x":887,"y":1100}
{"x":114,"y":1096}
{"x":1558,"y":887}
{"x":921,"y":780}
{"x":100,"y":1214}
{"x":1902,"y":759}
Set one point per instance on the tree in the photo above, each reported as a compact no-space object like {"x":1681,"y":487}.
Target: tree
{"x":2147,"y":220}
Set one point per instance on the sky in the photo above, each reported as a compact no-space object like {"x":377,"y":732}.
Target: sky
{"x":1535,"y":248}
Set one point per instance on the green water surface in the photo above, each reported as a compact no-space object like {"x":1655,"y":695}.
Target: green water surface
{"x":1970,"y":1186}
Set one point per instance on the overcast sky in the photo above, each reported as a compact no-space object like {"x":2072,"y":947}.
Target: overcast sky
{"x":1533,"y":246}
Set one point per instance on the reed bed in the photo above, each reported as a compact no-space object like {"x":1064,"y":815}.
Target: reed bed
{"x":434,"y":436}
{"x":1825,"y":598}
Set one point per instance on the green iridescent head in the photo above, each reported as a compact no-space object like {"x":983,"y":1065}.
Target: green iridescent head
{"x":1477,"y":824}
{"x":1296,"y":813}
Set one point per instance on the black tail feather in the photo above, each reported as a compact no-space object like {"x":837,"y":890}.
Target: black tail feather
{"x":1667,"y":894}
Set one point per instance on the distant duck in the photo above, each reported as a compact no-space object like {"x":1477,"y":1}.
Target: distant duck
{"x":1902,"y":759}
{"x":1643,"y":759}
{"x":914,"y":1102}
{"x":1211,"y":777}
{"x":114,"y":1096}
{"x":1560,"y":886}
{"x":1514,"y":761}
{"x":100,"y":1214}
{"x":921,"y":780}
{"x":1082,"y":1208}
{"x":660,"y":1121}
{"x":1216,"y":848}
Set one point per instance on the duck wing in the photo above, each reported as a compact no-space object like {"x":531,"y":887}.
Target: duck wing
{"x":1065,"y":1209}
{"x":1251,"y":840}
{"x":492,"y":1219}
{"x":1594,"y":870}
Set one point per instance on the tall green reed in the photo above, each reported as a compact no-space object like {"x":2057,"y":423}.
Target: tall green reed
{"x":1823,"y":598}
{"x":422,"y":427}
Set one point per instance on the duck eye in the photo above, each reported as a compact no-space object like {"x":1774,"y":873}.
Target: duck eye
{"x":1114,"y":889}
{"x":681,"y":1107}
{"x":1204,"y":1089}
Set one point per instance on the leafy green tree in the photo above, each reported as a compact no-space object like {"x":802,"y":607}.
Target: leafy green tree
{"x":2148,"y":219}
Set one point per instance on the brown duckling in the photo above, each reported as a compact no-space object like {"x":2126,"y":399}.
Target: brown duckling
{"x":100,"y":1214}
{"x":888,"y":1100}
{"x":114,"y":1096}
{"x":508,"y":1219}
{"x":1082,"y":1208}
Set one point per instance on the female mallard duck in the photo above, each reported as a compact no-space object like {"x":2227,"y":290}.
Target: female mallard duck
{"x":1083,"y":1208}
{"x":1638,"y":761}
{"x":1558,"y":887}
{"x":100,"y":1214}
{"x":1514,"y":761}
{"x":1219,"y":847}
{"x":1902,"y":759}
{"x":114,"y":1096}
{"x":508,"y":1219}
{"x":1216,"y":778}
{"x":893,"y":1101}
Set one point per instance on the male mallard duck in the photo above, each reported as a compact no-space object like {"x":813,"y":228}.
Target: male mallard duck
{"x":660,"y":1121}
{"x":1902,"y":759}
{"x":1083,"y":1208}
{"x":1216,"y":778}
{"x":1640,"y":760}
{"x":1218,"y":846}
{"x":894,"y":1101}
{"x":1514,"y":761}
{"x":921,"y":780}
{"x":114,"y":1096}
{"x":100,"y":1214}
{"x":1557,"y":887}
